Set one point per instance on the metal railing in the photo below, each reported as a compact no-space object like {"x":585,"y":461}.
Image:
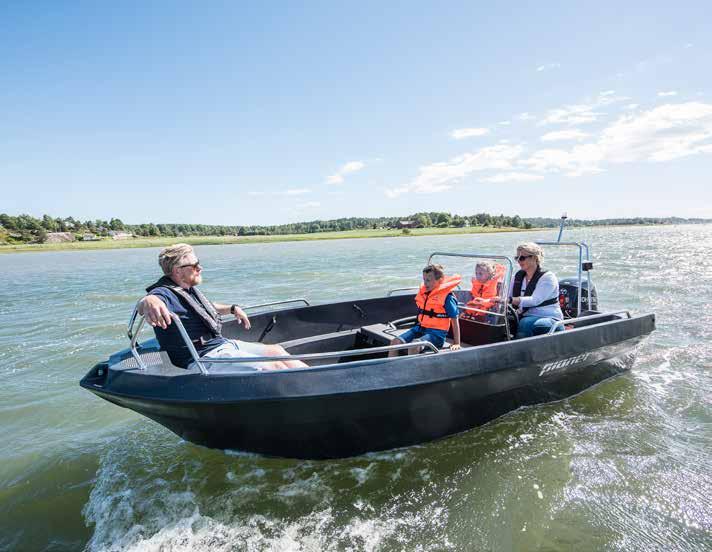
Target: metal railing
{"x":505,"y":282}
{"x":402,"y":289}
{"x":475,"y":309}
{"x":581,"y":246}
{"x":286,"y":302}
{"x":573,"y":321}
{"x":201,"y":361}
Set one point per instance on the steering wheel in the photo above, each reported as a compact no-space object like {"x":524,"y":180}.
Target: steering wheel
{"x":394,"y":324}
{"x":512,"y":319}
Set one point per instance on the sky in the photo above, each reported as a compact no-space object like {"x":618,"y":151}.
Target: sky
{"x":275,"y":112}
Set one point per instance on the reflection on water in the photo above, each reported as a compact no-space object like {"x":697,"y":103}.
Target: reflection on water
{"x":623,"y":466}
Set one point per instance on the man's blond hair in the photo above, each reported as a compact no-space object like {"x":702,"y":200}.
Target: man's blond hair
{"x":171,"y":256}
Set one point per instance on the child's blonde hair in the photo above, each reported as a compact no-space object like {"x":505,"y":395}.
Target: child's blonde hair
{"x":489,"y":266}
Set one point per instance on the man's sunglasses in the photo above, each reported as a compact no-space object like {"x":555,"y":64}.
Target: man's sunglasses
{"x":522,"y":257}
{"x":194,"y":265}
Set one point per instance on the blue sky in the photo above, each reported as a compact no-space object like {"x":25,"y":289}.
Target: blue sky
{"x":266,"y":113}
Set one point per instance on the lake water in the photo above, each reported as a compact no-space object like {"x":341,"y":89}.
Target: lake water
{"x":623,"y":466}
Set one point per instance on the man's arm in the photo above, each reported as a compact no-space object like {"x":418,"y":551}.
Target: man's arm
{"x":239,"y":314}
{"x":154,"y":309}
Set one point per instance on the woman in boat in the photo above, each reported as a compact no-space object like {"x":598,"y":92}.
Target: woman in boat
{"x":535,"y":293}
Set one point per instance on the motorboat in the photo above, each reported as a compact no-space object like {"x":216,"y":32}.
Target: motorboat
{"x":354,"y":398}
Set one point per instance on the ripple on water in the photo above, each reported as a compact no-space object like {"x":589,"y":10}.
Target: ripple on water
{"x":622,"y":466}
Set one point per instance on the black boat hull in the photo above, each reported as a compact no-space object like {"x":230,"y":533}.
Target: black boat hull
{"x":347,"y":409}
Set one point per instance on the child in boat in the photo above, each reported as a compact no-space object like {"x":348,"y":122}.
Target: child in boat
{"x":437,"y":311}
{"x":486,"y":283}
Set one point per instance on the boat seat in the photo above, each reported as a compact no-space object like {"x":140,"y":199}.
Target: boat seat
{"x":380,"y":334}
{"x":317,"y":343}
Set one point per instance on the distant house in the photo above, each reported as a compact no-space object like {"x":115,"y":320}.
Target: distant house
{"x":406,"y":224}
{"x":90,"y":237}
{"x":120,"y":235}
{"x":59,"y":237}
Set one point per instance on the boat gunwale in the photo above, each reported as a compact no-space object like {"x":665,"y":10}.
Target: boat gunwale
{"x":481,"y":371}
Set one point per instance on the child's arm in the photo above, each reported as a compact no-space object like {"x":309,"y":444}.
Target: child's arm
{"x":455,"y":322}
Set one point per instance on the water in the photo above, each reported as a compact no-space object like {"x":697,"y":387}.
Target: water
{"x":623,"y":466}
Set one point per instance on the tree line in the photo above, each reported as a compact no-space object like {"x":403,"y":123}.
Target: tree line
{"x":27,"y":229}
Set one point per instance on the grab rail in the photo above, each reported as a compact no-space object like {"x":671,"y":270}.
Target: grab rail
{"x":581,"y":246}
{"x":475,"y":309}
{"x":330,"y":354}
{"x":395,"y":323}
{"x":298,"y":300}
{"x":309,"y":356}
{"x":582,"y":318}
{"x":401,"y":289}
{"x":507,"y":275}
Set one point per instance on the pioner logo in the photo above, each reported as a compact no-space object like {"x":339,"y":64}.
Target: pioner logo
{"x":561,"y":364}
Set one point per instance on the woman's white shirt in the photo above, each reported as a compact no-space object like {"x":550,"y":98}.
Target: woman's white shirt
{"x":546,"y":288}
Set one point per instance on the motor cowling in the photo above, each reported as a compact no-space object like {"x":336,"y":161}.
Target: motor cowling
{"x":568,"y":296}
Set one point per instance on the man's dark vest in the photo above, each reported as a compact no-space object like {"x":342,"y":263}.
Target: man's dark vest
{"x":202,"y":307}
{"x":531,"y":286}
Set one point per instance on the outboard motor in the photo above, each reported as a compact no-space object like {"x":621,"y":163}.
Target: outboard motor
{"x":568,"y":296}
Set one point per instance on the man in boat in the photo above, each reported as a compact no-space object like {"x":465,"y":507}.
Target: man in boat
{"x":437,"y":311}
{"x":177,"y":292}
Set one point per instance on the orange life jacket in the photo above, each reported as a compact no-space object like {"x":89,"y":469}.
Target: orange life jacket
{"x":485,"y":293}
{"x":431,"y":306}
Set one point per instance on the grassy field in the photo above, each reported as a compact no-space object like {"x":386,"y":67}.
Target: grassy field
{"x":230,"y":240}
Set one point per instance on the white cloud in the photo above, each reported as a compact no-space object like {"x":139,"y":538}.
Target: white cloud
{"x":632,"y":106}
{"x":307,"y":205}
{"x":504,"y":123}
{"x":689,"y":45}
{"x":667,"y":132}
{"x":577,"y":114}
{"x":461,"y":133}
{"x":514,"y":177}
{"x":582,"y":159}
{"x":547,"y":66}
{"x":573,"y":134}
{"x":525,"y":116}
{"x":583,"y":113}
{"x":664,"y":133}
{"x":297,"y":191}
{"x":350,"y":167}
{"x":438,"y":177}
{"x":255,"y":193}
{"x":668,"y":94}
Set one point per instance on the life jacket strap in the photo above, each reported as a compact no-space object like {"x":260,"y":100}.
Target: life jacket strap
{"x":433,"y":314}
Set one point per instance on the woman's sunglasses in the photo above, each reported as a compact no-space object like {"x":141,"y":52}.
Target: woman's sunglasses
{"x":522,"y":257}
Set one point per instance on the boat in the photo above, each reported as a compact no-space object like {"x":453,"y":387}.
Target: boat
{"x":354,"y":398}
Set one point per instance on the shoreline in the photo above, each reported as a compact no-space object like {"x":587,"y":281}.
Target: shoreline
{"x":136,"y":243}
